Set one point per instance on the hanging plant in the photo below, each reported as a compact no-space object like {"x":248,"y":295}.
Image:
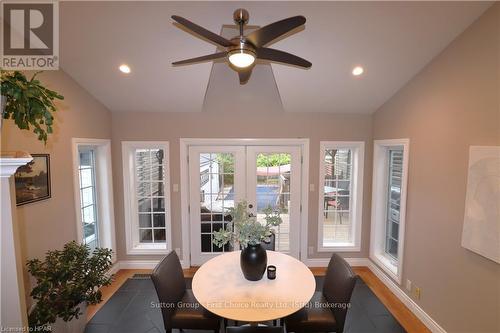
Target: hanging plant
{"x":28,"y":103}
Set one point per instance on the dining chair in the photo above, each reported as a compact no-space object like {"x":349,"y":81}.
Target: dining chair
{"x":179,"y":307}
{"x":255,"y":329}
{"x":327,"y":309}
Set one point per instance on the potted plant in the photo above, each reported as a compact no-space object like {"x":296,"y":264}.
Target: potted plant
{"x":245,"y":230}
{"x":28,"y":103}
{"x":66,"y":281}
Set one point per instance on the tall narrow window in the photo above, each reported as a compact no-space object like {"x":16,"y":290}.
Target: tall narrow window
{"x":146,"y":197}
{"x":390,"y":168}
{"x":150,"y":194}
{"x":88,"y":197}
{"x":393,"y":201}
{"x":93,"y":190}
{"x":341,"y":183}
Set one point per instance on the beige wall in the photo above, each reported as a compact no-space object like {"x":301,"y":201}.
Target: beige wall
{"x":48,"y":224}
{"x":240,"y":124}
{"x":452,"y":104}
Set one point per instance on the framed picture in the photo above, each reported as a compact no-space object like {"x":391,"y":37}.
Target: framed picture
{"x":33,"y":180}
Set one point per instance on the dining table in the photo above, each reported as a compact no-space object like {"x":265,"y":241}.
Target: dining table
{"x":220,"y":287}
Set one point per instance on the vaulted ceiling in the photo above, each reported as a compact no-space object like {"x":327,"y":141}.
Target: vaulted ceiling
{"x":393,"y":41}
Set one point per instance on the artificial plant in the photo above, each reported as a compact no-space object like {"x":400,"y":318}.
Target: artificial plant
{"x":244,"y":227}
{"x":28,"y":103}
{"x":65,"y":279}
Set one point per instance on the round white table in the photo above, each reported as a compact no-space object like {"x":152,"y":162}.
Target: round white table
{"x":220,"y":287}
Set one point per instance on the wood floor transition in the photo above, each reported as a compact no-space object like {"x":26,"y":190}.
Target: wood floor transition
{"x":403,"y":315}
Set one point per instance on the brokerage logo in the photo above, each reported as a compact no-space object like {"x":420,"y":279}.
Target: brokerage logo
{"x":30,"y":34}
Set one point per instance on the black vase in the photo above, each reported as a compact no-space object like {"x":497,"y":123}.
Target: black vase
{"x":253,"y":262}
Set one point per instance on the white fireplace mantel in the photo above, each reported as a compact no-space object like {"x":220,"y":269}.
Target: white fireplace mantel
{"x":10,"y":161}
{"x":12,"y":296}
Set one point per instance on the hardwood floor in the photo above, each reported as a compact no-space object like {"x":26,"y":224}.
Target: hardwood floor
{"x":403,"y":315}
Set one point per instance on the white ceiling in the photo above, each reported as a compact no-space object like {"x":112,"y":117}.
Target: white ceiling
{"x":391,"y":40}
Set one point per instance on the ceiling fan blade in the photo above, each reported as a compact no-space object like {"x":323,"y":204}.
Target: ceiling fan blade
{"x":244,"y":74}
{"x":283,"y":57}
{"x":201,"y":59}
{"x":202,"y":31}
{"x":272,"y":31}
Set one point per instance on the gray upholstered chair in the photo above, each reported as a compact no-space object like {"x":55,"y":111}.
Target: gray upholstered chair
{"x":170,"y":286}
{"x":337,"y":290}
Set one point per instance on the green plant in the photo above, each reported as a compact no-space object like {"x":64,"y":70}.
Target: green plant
{"x":65,"y":279}
{"x":270,"y":160}
{"x":245,"y":229}
{"x":28,"y":103}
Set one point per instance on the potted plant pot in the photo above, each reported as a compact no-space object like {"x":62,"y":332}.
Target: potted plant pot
{"x":74,"y":325}
{"x":253,"y":262}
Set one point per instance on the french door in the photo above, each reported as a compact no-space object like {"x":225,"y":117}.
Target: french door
{"x":221,"y":176}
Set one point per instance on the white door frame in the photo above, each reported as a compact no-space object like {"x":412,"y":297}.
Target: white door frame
{"x":185,"y":143}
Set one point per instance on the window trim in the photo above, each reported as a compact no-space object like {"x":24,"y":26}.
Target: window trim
{"x":379,"y":206}
{"x":358,"y":149}
{"x":104,"y":186}
{"x":131,"y":220}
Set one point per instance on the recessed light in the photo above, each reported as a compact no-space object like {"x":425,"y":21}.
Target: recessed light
{"x":357,"y":71}
{"x":124,"y":69}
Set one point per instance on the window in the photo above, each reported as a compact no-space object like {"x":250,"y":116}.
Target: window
{"x":147,"y":197}
{"x":94,"y":193}
{"x":340,"y":196}
{"x":88,"y":196}
{"x":390,"y":173}
{"x":393,"y":197}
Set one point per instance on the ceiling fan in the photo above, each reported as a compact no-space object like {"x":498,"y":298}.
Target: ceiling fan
{"x":242,"y":51}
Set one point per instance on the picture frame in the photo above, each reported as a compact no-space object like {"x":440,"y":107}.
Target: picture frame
{"x":32,"y":181}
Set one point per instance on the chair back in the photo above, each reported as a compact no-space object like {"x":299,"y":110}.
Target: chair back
{"x":168,"y":279}
{"x":338,"y":286}
{"x":271,"y":246}
{"x":255,"y":329}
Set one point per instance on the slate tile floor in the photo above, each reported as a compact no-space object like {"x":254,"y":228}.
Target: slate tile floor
{"x":130,"y":311}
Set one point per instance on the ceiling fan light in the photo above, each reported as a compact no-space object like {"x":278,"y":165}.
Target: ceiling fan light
{"x":241,"y":58}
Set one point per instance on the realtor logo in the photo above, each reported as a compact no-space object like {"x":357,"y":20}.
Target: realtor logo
{"x":30,"y":35}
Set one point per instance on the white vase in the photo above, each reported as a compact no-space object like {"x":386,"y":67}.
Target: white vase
{"x":74,"y":325}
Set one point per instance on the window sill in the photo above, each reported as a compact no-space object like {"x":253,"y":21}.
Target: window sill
{"x":148,"y":249}
{"x":388,"y":266}
{"x":339,"y":247}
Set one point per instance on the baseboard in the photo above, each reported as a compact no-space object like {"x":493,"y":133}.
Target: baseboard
{"x":403,"y":297}
{"x":323,"y":262}
{"x":115,"y":268}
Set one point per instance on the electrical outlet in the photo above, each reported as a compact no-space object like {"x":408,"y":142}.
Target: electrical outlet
{"x":178,"y":250}
{"x":311,"y":187}
{"x":310,"y":250}
{"x":417,"y":292}
{"x":408,"y":285}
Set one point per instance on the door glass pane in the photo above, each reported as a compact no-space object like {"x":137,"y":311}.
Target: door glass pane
{"x":216,"y":195}
{"x":273,"y":189}
{"x":337,"y":226}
